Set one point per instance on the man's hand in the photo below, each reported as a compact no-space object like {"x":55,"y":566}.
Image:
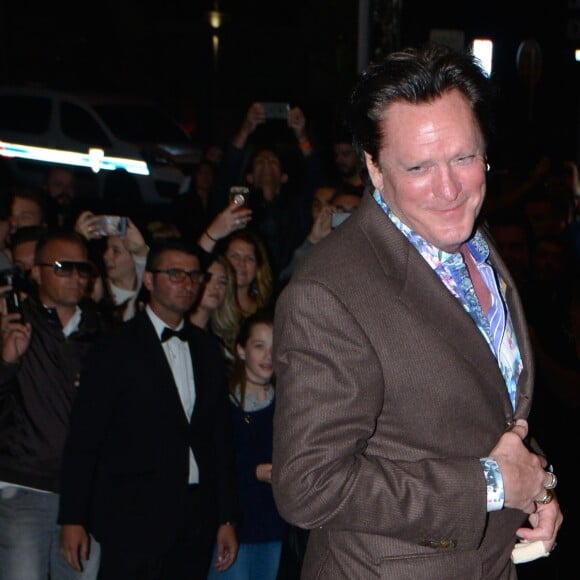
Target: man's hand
{"x":525,"y":479}
{"x":545,"y":523}
{"x":75,"y":545}
{"x":522,"y":471}
{"x":15,"y":337}
{"x":227,"y":547}
{"x":255,"y":116}
{"x":297,"y":122}
{"x":264,"y":472}
{"x":321,"y":226}
{"x":134,"y":240}
{"x":84,"y":225}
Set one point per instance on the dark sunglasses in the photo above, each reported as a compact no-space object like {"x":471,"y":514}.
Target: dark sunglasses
{"x":65,"y":268}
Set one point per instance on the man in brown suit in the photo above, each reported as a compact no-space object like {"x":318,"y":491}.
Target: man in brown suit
{"x":404,"y":368}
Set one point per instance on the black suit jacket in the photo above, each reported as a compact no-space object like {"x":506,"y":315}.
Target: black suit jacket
{"x":126,"y":459}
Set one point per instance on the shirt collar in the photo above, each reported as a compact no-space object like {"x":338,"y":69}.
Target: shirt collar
{"x":436,"y":257}
{"x":158,"y":324}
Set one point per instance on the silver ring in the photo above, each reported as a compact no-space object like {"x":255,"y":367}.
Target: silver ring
{"x":238,"y":222}
{"x":553,"y":481}
{"x":547,"y":498}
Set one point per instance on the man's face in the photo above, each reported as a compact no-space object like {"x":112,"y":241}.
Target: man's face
{"x":320,"y":200}
{"x":60,"y":185}
{"x":24,"y":212}
{"x":345,"y":202}
{"x":23,"y":255}
{"x":171,"y":300}
{"x":60,"y":291}
{"x":431,"y":168}
{"x":267,"y":171}
{"x":346,"y":159}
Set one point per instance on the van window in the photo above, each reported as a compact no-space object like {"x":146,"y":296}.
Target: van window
{"x":25,"y":114}
{"x":78,"y":124}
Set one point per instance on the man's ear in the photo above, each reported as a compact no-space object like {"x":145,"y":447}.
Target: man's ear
{"x":375,"y":173}
{"x":284,"y":178}
{"x":35,"y":273}
{"x":148,"y":280}
{"x":250,"y":178}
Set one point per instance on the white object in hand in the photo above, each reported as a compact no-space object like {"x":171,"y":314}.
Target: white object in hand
{"x":528,"y":551}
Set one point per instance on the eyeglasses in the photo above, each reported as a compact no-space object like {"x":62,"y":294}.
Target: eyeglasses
{"x":65,"y":268}
{"x":178,"y":275}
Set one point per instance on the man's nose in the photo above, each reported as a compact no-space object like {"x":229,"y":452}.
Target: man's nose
{"x":446,"y":183}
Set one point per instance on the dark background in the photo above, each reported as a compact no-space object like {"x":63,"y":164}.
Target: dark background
{"x":301,"y":51}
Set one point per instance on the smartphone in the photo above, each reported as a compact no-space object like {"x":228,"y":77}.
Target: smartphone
{"x":11,"y":297}
{"x":239,"y":195}
{"x":276,"y":110}
{"x":110,"y":225}
{"x":338,"y":217}
{"x":12,"y":302}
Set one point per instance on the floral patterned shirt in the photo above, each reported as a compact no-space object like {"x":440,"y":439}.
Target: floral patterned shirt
{"x":495,"y":325}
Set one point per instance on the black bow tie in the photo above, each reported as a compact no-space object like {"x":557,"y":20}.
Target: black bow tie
{"x":169,"y":332}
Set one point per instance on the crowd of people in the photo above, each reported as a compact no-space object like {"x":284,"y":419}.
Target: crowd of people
{"x":225,"y":380}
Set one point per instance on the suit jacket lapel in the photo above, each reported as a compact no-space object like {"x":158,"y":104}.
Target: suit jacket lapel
{"x":159,"y":367}
{"x":419,"y":288}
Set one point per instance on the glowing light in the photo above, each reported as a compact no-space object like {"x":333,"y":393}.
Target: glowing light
{"x":215,"y":18}
{"x":95,"y":159}
{"x":482,"y":48}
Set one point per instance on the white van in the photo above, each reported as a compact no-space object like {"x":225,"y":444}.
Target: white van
{"x":104,"y":137}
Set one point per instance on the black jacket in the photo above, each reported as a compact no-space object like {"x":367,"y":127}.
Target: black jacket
{"x":125,"y":467}
{"x":36,"y":396}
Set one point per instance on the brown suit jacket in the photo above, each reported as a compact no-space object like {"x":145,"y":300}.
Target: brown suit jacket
{"x":388,"y":395}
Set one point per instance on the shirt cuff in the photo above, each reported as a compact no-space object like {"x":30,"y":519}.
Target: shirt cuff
{"x":495,"y":491}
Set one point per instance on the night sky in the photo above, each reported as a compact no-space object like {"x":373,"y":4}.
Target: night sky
{"x":303,"y":51}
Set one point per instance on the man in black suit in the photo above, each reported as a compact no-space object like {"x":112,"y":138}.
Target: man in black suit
{"x":149,"y":465}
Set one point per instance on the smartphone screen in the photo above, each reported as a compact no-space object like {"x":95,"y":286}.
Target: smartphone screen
{"x":276,"y":110}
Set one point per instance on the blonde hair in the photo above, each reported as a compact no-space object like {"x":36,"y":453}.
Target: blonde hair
{"x":225,"y":319}
{"x":263,"y":285}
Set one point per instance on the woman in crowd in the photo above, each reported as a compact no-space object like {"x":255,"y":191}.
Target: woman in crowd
{"x":122,"y":263}
{"x":246,"y":253}
{"x":216,"y":310}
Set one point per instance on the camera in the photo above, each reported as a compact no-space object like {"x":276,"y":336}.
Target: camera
{"x":239,"y":195}
{"x":338,"y":217}
{"x":276,"y":110}
{"x":110,"y":225}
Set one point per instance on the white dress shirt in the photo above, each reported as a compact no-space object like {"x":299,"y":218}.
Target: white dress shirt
{"x":179,"y":359}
